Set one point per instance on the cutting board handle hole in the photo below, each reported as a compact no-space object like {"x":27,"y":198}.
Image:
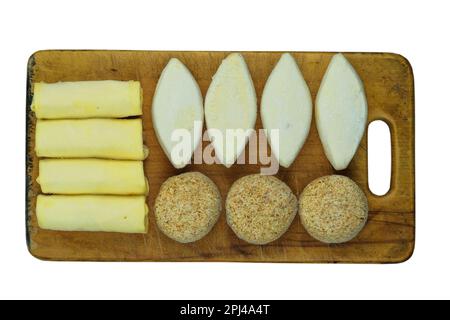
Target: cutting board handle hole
{"x":379,"y":157}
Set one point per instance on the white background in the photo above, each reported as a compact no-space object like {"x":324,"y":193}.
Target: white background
{"x":417,"y":29}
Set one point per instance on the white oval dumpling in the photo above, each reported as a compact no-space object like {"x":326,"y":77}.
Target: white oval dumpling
{"x":177,"y":104}
{"x":230,"y":103}
{"x":286,"y":106}
{"x":341,"y":112}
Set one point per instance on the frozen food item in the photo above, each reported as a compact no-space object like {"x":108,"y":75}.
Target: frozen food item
{"x":230,"y":109}
{"x":187,"y":207}
{"x":341,"y":112}
{"x":333,"y":209}
{"x":87,"y":99}
{"x":126,"y":214}
{"x":177,"y":113}
{"x":286,"y":107}
{"x":260,"y":208}
{"x":90,"y":138}
{"x":92,"y":176}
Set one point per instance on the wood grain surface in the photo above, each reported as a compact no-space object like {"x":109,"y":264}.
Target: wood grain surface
{"x":390,"y":232}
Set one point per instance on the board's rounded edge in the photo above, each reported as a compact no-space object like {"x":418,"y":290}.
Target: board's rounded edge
{"x":404,"y":61}
{"x":406,"y":256}
{"x":28,"y":161}
{"x":34,"y":255}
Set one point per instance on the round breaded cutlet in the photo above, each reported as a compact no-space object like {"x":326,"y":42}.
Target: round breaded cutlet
{"x":187,"y":207}
{"x":260,"y":208}
{"x":333,"y":209}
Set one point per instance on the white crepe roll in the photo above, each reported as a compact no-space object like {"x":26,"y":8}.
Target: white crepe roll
{"x":126,"y":214}
{"x":90,"y":138}
{"x":87,"y":99}
{"x":92,"y":176}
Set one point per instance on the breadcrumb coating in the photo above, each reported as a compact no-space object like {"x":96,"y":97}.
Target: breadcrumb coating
{"x":333,"y":209}
{"x":187,"y":207}
{"x":260,"y":208}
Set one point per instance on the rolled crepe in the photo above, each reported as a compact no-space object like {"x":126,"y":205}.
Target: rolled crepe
{"x":126,"y":214}
{"x":90,"y":138}
{"x":92,"y":176}
{"x":87,"y":99}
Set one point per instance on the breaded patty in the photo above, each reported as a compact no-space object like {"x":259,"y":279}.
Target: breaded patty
{"x":260,"y":208}
{"x":333,"y":209}
{"x":187,"y":207}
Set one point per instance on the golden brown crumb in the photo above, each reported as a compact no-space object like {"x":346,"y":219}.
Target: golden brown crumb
{"x":187,"y":207}
{"x":260,"y":208}
{"x":333,"y":209}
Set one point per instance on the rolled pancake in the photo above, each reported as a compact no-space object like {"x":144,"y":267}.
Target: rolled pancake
{"x":126,"y":214}
{"x":90,"y":138}
{"x":87,"y":99}
{"x":92,"y":176}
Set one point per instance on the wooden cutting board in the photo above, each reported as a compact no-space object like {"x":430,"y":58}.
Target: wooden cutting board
{"x":390,"y":232}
